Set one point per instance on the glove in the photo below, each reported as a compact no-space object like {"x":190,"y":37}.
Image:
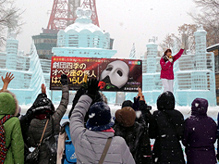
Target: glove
{"x":64,"y":79}
{"x":97,"y":98}
{"x":170,"y":60}
{"x":93,"y":88}
{"x":135,"y":105}
{"x":85,"y":85}
{"x":145,"y":109}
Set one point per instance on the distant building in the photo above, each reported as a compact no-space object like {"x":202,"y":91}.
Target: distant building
{"x":45,"y":42}
{"x":215,"y":50}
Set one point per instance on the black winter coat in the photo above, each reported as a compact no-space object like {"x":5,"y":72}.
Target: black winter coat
{"x":138,"y":141}
{"x":32,"y":128}
{"x":167,"y":130}
{"x":145,"y":110}
{"x":137,"y":137}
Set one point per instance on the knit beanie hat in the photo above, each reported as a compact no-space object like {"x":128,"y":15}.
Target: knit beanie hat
{"x":126,"y":116}
{"x":99,"y":117}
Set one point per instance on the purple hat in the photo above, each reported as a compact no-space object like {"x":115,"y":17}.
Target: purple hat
{"x":199,"y":106}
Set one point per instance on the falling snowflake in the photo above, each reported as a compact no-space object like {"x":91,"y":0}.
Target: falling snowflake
{"x":164,"y":135}
{"x":91,"y":115}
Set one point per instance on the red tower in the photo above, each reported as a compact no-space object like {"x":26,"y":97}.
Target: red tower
{"x":92,"y":5}
{"x":61,"y":15}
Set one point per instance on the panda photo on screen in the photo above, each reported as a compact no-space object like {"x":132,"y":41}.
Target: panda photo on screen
{"x":115,"y":75}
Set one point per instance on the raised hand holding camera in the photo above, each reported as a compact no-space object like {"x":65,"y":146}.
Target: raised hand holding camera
{"x":64,"y":79}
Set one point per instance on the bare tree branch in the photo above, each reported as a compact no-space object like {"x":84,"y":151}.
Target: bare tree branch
{"x":10,"y":18}
{"x":172,"y":40}
{"x":209,"y":18}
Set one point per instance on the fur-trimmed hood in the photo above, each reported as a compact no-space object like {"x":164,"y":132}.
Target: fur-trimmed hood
{"x":104,"y":97}
{"x":7,"y":109}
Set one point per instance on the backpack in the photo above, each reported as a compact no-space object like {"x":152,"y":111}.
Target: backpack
{"x":3,"y":148}
{"x":69,"y":156}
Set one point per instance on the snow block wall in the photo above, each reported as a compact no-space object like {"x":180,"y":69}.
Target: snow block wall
{"x":27,"y":71}
{"x":151,"y":73}
{"x":194,"y":74}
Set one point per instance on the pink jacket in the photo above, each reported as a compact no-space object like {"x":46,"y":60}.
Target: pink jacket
{"x":167,"y":67}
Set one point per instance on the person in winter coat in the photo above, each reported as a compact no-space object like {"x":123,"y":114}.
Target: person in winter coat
{"x":61,"y":152}
{"x":90,"y":142}
{"x":141,"y":108}
{"x":200,"y":135}
{"x":62,"y":135}
{"x":167,"y":130}
{"x":141,"y":151}
{"x":13,"y":134}
{"x":135,"y":135}
{"x":167,"y":61}
{"x":36,"y":117}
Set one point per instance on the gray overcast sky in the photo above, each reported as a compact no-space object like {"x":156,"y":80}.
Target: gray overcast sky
{"x":127,"y":21}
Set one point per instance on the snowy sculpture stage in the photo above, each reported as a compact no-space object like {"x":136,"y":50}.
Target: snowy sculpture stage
{"x":194,"y":74}
{"x":84,"y":39}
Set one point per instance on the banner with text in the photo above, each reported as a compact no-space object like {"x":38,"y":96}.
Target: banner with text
{"x":123,"y":75}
